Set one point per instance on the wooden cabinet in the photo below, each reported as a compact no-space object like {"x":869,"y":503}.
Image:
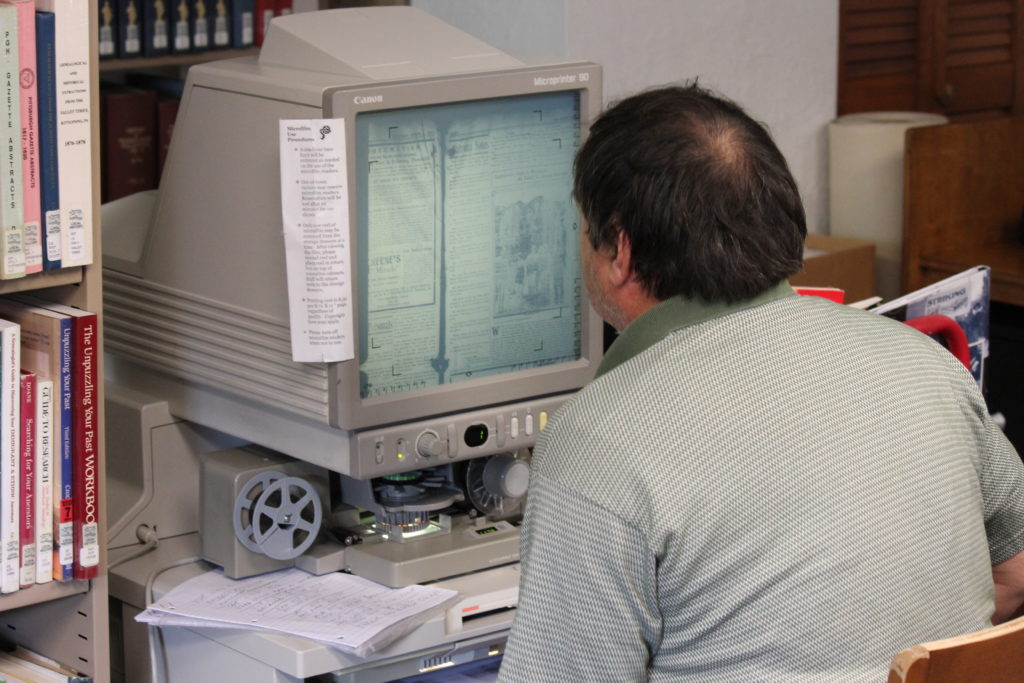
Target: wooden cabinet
{"x":964,"y":204}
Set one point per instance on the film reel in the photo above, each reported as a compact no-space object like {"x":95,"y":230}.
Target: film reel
{"x":242,"y":513}
{"x":496,"y":485}
{"x":277,"y":516}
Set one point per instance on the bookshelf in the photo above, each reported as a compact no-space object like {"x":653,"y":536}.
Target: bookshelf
{"x":44,"y":280}
{"x":170,"y":61}
{"x":69,"y":621}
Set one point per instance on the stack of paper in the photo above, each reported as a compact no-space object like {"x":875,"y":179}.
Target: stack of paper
{"x":354,"y":614}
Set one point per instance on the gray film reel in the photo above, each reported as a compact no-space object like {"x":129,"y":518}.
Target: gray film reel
{"x":245,"y":501}
{"x":286,"y":518}
{"x":277,"y":516}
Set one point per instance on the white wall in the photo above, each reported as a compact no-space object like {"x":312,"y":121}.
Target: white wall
{"x":777,"y":58}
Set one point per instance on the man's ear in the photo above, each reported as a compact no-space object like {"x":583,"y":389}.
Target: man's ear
{"x":621,"y":266}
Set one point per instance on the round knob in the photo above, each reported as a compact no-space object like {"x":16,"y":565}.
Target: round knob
{"x":506,"y":476}
{"x":429,"y":445}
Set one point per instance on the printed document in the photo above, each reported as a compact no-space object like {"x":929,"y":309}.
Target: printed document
{"x":314,"y":208}
{"x":339,"y":610}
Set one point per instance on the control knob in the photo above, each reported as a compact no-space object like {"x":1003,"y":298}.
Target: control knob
{"x":430,"y":445}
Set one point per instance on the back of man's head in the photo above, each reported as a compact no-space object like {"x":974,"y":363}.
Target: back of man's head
{"x":702,"y":193}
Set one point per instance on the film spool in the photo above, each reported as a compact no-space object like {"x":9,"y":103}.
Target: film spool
{"x":245,"y":501}
{"x":277,"y":516}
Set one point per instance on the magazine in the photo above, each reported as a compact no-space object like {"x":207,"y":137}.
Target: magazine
{"x":964,"y":297}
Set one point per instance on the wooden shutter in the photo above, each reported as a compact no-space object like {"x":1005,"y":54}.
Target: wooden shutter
{"x":878,"y":45}
{"x":976,"y":61}
{"x":963,"y":58}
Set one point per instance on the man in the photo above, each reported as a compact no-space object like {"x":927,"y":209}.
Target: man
{"x":756,"y":486}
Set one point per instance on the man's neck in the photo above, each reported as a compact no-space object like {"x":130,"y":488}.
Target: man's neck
{"x":629,"y":306}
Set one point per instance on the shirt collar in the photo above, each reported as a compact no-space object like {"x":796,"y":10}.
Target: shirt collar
{"x":672,"y":314}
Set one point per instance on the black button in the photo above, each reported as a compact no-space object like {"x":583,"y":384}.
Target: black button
{"x":476,"y":435}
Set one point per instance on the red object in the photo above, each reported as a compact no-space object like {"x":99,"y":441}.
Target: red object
{"x":950,"y":331}
{"x":265,"y":10}
{"x":28,"y":479}
{"x":830,"y":293}
{"x":84,"y":425}
{"x":128,"y":141}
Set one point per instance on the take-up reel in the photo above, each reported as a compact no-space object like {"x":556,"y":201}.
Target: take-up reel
{"x":410,"y":505}
{"x":496,"y":486}
{"x":277,"y":515}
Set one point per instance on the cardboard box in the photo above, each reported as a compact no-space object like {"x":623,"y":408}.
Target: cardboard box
{"x":838,"y":262}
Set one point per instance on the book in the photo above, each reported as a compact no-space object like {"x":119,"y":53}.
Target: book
{"x":10,"y":484}
{"x":32,"y":237}
{"x":129,"y":29}
{"x":168,"y":97}
{"x":46,"y":350}
{"x":107,"y":29}
{"x":127,"y":141}
{"x":243,"y":23}
{"x":49,"y":183}
{"x":12,"y":238}
{"x":156,"y":29}
{"x":282,"y":8}
{"x":964,"y":297}
{"x":27,"y":501}
{"x":200,"y":24}
{"x":181,"y":29}
{"x":220,"y":35}
{"x":44,"y":480}
{"x":85,"y":484}
{"x":263,"y":11}
{"x":74,"y":124}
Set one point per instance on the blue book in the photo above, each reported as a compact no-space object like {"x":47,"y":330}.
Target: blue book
{"x":156,"y":28}
{"x":63,"y":544}
{"x":108,"y":27}
{"x":49,"y":182}
{"x":181,"y":25}
{"x":200,"y":25}
{"x":220,"y":26}
{"x":129,"y":28}
{"x":243,"y":22}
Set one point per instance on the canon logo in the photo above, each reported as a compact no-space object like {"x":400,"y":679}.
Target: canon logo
{"x":368,"y":99}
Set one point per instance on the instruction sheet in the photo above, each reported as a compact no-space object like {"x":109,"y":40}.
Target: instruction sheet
{"x":314,"y":210}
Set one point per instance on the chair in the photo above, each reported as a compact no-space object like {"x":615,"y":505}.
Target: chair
{"x":950,"y":331}
{"x":992,"y":655}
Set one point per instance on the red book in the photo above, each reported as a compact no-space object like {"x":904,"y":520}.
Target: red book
{"x":282,"y":7}
{"x":128,"y":140}
{"x":265,"y":10}
{"x":85,"y":484}
{"x":27,"y":502}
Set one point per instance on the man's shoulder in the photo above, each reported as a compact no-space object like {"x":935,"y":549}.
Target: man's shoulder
{"x":593,"y":433}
